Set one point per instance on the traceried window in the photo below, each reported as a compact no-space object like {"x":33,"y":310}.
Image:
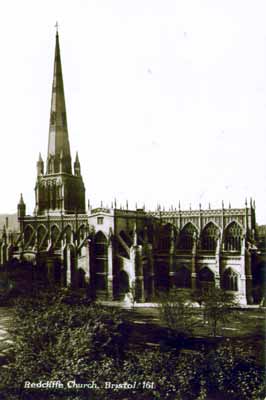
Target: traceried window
{"x":209,"y":237}
{"x":186,"y":237}
{"x":230,"y":281}
{"x":232,"y":237}
{"x":165,"y":237}
{"x":99,"y":220}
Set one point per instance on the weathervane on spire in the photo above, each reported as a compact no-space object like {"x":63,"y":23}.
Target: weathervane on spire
{"x":56,"y":26}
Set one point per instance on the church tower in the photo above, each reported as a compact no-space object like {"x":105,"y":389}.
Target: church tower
{"x":57,"y":190}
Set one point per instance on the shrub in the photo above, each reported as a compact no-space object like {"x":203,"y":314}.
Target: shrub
{"x":64,"y":336}
{"x":218,"y":308}
{"x":53,"y":339}
{"x":232,"y":370}
{"x":177,"y":313}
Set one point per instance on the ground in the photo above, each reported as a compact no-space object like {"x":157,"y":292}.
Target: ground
{"x":246,"y":325}
{"x":146,"y":329}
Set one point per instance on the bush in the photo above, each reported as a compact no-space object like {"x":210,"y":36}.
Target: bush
{"x":55,"y":340}
{"x":231,"y":369}
{"x":178,"y":314}
{"x":64,"y":336}
{"x":218,"y":307}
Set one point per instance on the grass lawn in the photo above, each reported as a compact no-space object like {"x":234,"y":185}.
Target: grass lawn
{"x":244,"y":326}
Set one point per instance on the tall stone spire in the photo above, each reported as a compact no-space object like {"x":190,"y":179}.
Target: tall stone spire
{"x":58,"y":145}
{"x":58,"y":191}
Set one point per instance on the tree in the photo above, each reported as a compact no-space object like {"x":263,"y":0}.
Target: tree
{"x":218,"y":307}
{"x":178,"y":313}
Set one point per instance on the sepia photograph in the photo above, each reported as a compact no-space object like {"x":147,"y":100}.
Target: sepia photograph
{"x":132,"y":211}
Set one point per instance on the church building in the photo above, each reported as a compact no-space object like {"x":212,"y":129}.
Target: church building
{"x":114,"y":251}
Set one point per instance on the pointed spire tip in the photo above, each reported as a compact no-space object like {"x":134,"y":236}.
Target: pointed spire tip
{"x":56,"y":27}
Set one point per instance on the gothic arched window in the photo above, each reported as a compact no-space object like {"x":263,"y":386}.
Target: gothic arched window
{"x":165,"y":237}
{"x":55,"y":233}
{"x":209,"y":237}
{"x":42,"y":237}
{"x":186,"y":237}
{"x":100,"y":261}
{"x":29,"y":236}
{"x":232,"y":237}
{"x":230,"y":281}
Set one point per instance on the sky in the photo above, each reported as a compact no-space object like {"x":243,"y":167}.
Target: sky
{"x":166,"y":100}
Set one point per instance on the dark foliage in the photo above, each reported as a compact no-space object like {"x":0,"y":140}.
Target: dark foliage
{"x":64,"y":336}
